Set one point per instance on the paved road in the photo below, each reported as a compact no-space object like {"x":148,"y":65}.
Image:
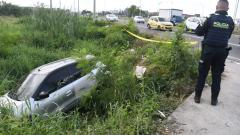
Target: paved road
{"x":234,"y":41}
{"x":203,"y":119}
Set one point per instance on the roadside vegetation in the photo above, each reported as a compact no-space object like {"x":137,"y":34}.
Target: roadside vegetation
{"x":121,"y":104}
{"x":237,"y":30}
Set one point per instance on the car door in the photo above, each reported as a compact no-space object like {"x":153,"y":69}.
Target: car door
{"x":58,"y":91}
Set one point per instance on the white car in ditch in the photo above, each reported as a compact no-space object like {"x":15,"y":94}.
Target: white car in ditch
{"x":54,"y":87}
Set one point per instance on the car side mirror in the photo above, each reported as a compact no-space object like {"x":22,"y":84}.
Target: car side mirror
{"x":43,"y":95}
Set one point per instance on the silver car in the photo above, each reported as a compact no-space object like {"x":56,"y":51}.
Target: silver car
{"x":54,"y":87}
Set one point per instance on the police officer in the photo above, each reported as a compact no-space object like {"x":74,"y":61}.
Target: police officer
{"x":217,"y":30}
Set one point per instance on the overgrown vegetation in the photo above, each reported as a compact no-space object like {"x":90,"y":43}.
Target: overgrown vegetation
{"x":237,"y":30}
{"x":121,"y":104}
{"x":7,"y":9}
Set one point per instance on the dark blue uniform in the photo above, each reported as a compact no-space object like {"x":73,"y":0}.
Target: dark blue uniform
{"x":216,"y":30}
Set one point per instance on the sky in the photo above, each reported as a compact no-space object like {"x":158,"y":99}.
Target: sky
{"x":204,"y":7}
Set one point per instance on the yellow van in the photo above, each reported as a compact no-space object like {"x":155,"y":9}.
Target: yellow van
{"x":156,"y":22}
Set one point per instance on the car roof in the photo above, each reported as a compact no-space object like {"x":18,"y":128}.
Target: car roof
{"x":50,"y":67}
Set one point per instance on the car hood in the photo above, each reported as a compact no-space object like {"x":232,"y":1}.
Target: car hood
{"x":112,"y":17}
{"x":5,"y":100}
{"x":16,"y":106}
{"x":140,"y":19}
{"x":165,"y":23}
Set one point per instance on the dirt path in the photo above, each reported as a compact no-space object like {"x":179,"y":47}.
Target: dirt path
{"x":203,"y":119}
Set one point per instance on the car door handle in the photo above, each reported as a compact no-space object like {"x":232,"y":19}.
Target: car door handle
{"x":69,"y":93}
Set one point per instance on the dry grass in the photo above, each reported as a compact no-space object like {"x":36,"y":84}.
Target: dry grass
{"x":237,"y":30}
{"x":8,"y":19}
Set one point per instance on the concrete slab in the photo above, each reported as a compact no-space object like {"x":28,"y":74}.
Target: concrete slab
{"x":203,"y":119}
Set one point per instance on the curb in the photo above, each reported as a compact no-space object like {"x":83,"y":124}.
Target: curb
{"x":233,"y":59}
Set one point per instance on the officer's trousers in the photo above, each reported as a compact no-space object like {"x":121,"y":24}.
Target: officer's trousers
{"x":213,"y":58}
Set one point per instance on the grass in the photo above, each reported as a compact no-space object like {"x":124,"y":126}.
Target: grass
{"x":121,"y":104}
{"x":237,"y":30}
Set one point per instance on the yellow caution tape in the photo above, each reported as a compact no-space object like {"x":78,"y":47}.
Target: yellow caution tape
{"x":155,"y":41}
{"x":145,"y":39}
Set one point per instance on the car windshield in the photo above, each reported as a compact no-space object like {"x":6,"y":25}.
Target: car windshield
{"x":178,"y":19}
{"x":29,"y":86}
{"x":111,"y":15}
{"x":161,"y":19}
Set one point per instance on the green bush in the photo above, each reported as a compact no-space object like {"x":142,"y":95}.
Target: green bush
{"x":171,"y":68}
{"x":94,"y":32}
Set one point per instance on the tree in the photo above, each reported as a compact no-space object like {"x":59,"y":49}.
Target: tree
{"x":7,"y":9}
{"x":86,"y":13}
{"x":134,"y":10}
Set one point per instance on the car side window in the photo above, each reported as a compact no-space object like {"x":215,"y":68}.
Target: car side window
{"x":195,"y":20}
{"x":190,"y":20}
{"x":155,"y":19}
{"x":59,"y":79}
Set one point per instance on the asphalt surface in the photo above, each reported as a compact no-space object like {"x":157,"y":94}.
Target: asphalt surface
{"x":233,"y":42}
{"x":204,"y":119}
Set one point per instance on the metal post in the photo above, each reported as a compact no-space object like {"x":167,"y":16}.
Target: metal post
{"x":51,"y":4}
{"x":78,"y":8}
{"x":236,"y":9}
{"x":94,"y":9}
{"x":60,"y":5}
{"x":140,"y":8}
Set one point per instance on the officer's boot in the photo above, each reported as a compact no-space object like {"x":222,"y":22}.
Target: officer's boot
{"x":214,"y":99}
{"x":198,"y":94}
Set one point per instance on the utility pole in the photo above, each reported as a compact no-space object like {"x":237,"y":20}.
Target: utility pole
{"x":140,"y":8}
{"x":94,"y":9}
{"x":51,"y":4}
{"x":78,"y":8}
{"x":60,"y":4}
{"x":236,"y":9}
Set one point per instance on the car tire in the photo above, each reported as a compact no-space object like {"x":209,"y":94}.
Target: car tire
{"x":149,"y":27}
{"x":186,"y":29}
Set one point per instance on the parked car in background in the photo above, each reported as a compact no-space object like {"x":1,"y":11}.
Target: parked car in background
{"x":139,"y":19}
{"x":193,"y":22}
{"x":175,"y":20}
{"x":111,"y":17}
{"x":54,"y":87}
{"x":157,"y":22}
